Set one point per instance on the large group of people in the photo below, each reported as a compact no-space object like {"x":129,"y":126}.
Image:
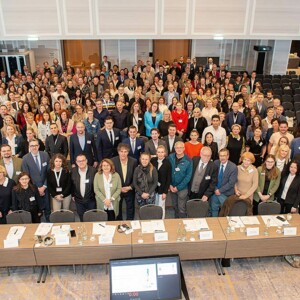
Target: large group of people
{"x":105,"y":136}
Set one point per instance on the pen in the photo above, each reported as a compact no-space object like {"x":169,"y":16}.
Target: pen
{"x":233,"y":221}
{"x":101,"y":225}
{"x":16,"y":231}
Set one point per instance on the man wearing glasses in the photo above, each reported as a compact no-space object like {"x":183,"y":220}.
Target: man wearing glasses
{"x":36,"y":164}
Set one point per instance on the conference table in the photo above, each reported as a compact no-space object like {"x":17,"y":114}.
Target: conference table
{"x":238,"y":245}
{"x":221,"y":244}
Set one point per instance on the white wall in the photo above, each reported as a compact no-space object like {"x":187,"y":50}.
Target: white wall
{"x":149,"y":19}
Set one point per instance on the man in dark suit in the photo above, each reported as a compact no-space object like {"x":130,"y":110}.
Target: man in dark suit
{"x":36,"y":164}
{"x":108,"y":140}
{"x":171,"y":138}
{"x":236,"y":117}
{"x":25,"y":144}
{"x":12,"y":164}
{"x":82,"y":177}
{"x":106,"y":63}
{"x":260,"y":106}
{"x":204,"y":176}
{"x":56,"y":143}
{"x":83,"y":143}
{"x":227,"y":177}
{"x":29,"y":83}
{"x":252,"y":82}
{"x":136,"y":145}
{"x":151,"y":145}
{"x":161,"y":74}
{"x":125,"y":166}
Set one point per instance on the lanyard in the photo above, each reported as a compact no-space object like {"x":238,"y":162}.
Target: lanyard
{"x":58,"y":177}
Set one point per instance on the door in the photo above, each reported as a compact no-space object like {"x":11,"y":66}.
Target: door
{"x":81,"y":53}
{"x":170,"y":50}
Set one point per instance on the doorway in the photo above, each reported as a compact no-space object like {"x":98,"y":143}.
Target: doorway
{"x":171,"y":49}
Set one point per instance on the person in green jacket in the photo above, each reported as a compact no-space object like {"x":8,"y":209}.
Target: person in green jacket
{"x":107,"y":187}
{"x":268,"y":182}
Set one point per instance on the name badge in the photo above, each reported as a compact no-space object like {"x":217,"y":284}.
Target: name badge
{"x":180,"y":121}
{"x":94,"y":126}
{"x":140,"y":119}
{"x":206,"y":235}
{"x":18,"y":172}
{"x":110,"y":185}
{"x":252,"y":231}
{"x":59,"y":189}
{"x":262,"y":174}
{"x":32,"y":199}
{"x":158,"y":184}
{"x":88,"y":142}
{"x":139,"y":147}
{"x":87,"y":181}
{"x":161,"y":236}
{"x":117,"y":138}
{"x":260,"y":144}
{"x":207,"y":177}
{"x":250,"y":171}
{"x":177,"y":169}
{"x":44,"y":164}
{"x":290,"y":231}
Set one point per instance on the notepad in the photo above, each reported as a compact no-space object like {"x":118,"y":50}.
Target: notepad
{"x":252,"y":220}
{"x":15,"y":232}
{"x":98,"y":228}
{"x":195,"y":224}
{"x":43,"y":229}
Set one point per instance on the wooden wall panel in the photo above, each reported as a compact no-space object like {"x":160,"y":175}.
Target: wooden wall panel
{"x":170,"y":49}
{"x":82,"y":52}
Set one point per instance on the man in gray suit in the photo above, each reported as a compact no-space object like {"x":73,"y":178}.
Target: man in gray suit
{"x":36,"y":164}
{"x":56,"y":143}
{"x":151,"y":145}
{"x":227,"y":177}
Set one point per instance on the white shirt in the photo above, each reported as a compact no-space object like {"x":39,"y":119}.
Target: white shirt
{"x":9,"y":168}
{"x":113,"y":135}
{"x":219,"y":136}
{"x":107,"y":187}
{"x":280,"y":164}
{"x":171,"y":142}
{"x":82,"y":175}
{"x":287,"y":185}
{"x":12,"y":144}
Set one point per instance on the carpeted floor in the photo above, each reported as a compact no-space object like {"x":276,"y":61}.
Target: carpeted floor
{"x":270,"y":278}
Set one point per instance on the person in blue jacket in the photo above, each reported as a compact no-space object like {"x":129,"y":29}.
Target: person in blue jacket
{"x":182,"y":169}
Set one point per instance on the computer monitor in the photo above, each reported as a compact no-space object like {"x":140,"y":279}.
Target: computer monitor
{"x":145,"y":278}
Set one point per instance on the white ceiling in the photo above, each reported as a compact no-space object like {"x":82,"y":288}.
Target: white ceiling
{"x":149,"y":19}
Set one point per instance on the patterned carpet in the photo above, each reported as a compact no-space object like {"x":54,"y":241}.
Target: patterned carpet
{"x":270,"y":278}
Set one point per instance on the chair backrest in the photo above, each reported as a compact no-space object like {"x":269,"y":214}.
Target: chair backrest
{"x":238,"y":209}
{"x":196,"y":208}
{"x":269,"y":208}
{"x":19,"y":217}
{"x":62,"y":216}
{"x":151,"y":212}
{"x":94,"y":215}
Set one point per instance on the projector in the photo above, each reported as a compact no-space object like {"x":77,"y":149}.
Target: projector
{"x":262,"y":48}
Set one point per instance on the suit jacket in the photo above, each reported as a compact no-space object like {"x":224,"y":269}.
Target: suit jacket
{"x":131,"y":165}
{"x":252,"y":85}
{"x":229,"y":178}
{"x":89,"y":195}
{"x":105,"y":149}
{"x":90,"y":150}
{"x":139,"y":147}
{"x":200,"y":126}
{"x":164,"y":175}
{"x":61,"y":146}
{"x":263,"y":111}
{"x":18,"y":141}
{"x":38,"y":177}
{"x":17,"y":163}
{"x":166,"y":139}
{"x":163,"y":77}
{"x":292,"y":195}
{"x":109,"y":65}
{"x":141,"y":125}
{"x":25,"y":147}
{"x":150,"y":148}
{"x":241,"y":120}
{"x":207,"y":186}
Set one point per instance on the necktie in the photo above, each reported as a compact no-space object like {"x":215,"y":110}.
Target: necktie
{"x":37,"y":162}
{"x":201,"y":167}
{"x":111,"y":137}
{"x":133,"y":145}
{"x":220,"y":176}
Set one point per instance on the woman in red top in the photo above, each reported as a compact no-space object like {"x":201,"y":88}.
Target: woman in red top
{"x":193,"y":146}
{"x":180,"y":118}
{"x":21,"y":117}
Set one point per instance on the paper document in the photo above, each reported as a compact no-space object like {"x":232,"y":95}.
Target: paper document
{"x":16,"y":232}
{"x":147,"y":227}
{"x":236,"y":222}
{"x":135,"y":225}
{"x":153,"y":226}
{"x":43,"y":229}
{"x":110,"y":230}
{"x":98,"y":228}
{"x":274,"y":222}
{"x":60,"y":229}
{"x":250,"y":220}
{"x":195,"y":224}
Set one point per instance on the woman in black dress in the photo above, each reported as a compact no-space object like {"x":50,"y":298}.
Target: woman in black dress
{"x":209,"y":142}
{"x":25,"y":196}
{"x":6,"y":187}
{"x":235,"y":144}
